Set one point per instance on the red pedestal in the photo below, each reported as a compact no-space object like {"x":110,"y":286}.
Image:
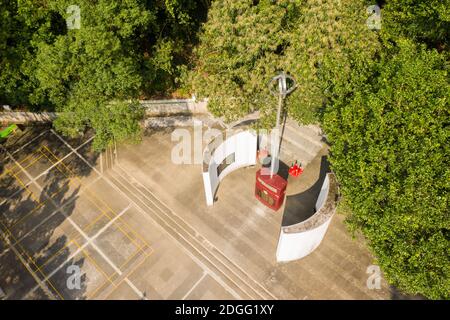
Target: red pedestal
{"x":270,"y":191}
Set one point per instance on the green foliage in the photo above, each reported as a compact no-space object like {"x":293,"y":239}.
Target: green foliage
{"x":329,"y":38}
{"x":113,"y":121}
{"x":237,"y":54}
{"x":390,"y":151}
{"x":21,"y":25}
{"x":83,"y":70}
{"x":244,"y":43}
{"x":10,"y":58}
{"x":421,"y":20}
{"x":124,"y":50}
{"x":382,"y":99}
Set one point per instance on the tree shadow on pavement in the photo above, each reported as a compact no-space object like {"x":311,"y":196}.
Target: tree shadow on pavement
{"x":35,"y":242}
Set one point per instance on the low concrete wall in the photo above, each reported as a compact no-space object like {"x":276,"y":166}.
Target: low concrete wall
{"x":162,"y":108}
{"x":153,"y":108}
{"x":9,"y":117}
{"x":299,"y":240}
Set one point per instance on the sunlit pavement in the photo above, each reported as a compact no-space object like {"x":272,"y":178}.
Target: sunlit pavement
{"x":137,"y":226}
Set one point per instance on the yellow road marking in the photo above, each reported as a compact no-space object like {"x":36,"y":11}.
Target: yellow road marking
{"x":29,"y":259}
{"x":103,"y":213}
{"x":55,"y":254}
{"x":129,"y":274}
{"x":101,"y":200}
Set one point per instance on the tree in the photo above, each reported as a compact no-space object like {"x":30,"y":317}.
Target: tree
{"x":244,"y":43}
{"x":390,"y":152}
{"x":121,"y":52}
{"x":21,"y":24}
{"x":239,"y":49}
{"x":10,"y":56}
{"x":167,"y":44}
{"x":83,"y":70}
{"x":426,"y":21}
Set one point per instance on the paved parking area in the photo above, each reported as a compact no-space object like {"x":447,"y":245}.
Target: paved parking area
{"x":53,"y":218}
{"x":137,"y":227}
{"x":57,"y":211}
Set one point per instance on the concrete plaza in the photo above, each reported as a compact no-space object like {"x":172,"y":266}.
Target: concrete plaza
{"x":138,"y":227}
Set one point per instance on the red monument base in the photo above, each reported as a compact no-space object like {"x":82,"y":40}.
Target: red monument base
{"x":270,"y":191}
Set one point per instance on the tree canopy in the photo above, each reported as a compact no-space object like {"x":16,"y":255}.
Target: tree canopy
{"x":121,"y":51}
{"x":390,"y":146}
{"x":381,"y":96}
{"x":244,"y":43}
{"x":426,"y":21}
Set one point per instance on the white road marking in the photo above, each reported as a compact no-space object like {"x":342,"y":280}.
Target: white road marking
{"x":188,"y":252}
{"x":203,"y":266}
{"x":140,"y":210}
{"x":32,"y":140}
{"x":40,"y":283}
{"x":209,"y":244}
{"x":56,"y":211}
{"x":67,"y":217}
{"x":5,"y":251}
{"x":195,"y":285}
{"x":89,"y":240}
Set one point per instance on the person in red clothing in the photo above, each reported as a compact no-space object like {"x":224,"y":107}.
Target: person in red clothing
{"x":296,"y":169}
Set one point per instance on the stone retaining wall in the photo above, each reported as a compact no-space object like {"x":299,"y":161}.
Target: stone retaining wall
{"x":153,"y":108}
{"x":26,"y":117}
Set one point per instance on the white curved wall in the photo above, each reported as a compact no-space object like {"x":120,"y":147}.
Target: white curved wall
{"x":323,"y":193}
{"x":243,"y":145}
{"x":293,"y":246}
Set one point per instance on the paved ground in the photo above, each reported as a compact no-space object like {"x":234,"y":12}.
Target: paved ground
{"x":139,"y":228}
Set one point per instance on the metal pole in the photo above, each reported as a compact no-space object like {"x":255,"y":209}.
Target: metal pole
{"x":277,"y":136}
{"x":282,"y":92}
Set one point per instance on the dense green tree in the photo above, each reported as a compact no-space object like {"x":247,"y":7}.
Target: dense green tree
{"x":329,"y":40}
{"x":83,"y":70}
{"x":244,"y":43}
{"x":168,"y":42}
{"x":11,"y":54}
{"x":21,"y":25}
{"x":239,"y":50}
{"x":381,"y":95}
{"x":383,"y":103}
{"x":122,"y":51}
{"x":422,"y":20}
{"x":390,"y":151}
